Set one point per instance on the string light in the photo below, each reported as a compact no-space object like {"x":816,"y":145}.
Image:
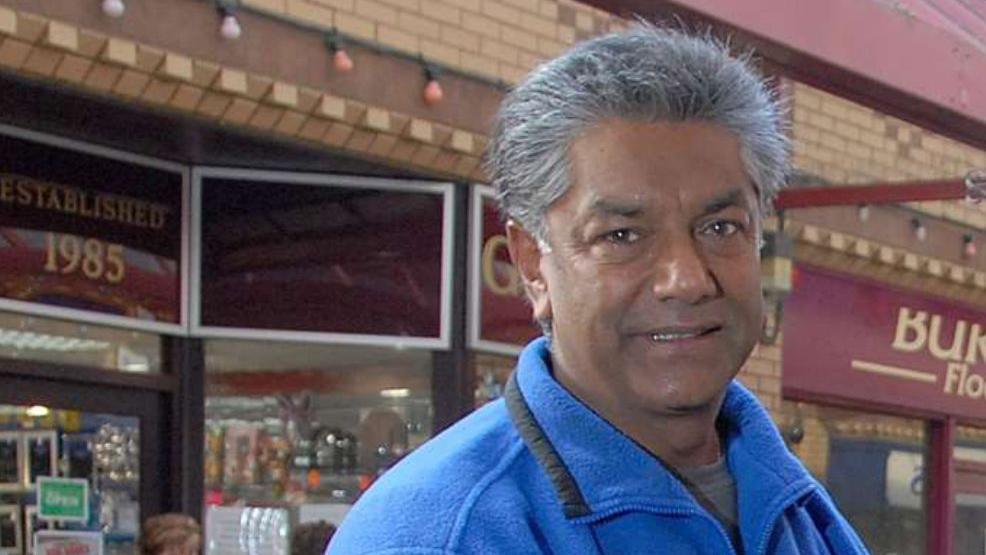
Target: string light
{"x":114,"y":8}
{"x":341,"y":61}
{"x":230,"y":27}
{"x":968,"y":246}
{"x":920,"y":231}
{"x":864,"y":212}
{"x":433,"y":93}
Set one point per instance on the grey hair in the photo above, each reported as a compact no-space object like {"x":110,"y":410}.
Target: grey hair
{"x":645,"y":73}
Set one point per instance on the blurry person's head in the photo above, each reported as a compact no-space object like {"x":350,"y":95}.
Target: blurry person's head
{"x":171,"y":534}
{"x":311,"y":538}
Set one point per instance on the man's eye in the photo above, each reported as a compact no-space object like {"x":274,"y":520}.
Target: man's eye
{"x":720,"y":228}
{"x":622,"y":236}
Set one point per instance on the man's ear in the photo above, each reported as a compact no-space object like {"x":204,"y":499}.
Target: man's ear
{"x":526,"y":256}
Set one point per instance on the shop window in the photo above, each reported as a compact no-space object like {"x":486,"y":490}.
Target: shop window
{"x":872,"y":464}
{"x":326,"y":255}
{"x":492,"y":372}
{"x":90,"y":236}
{"x":91,"y":460}
{"x":309,"y":427}
{"x":38,"y":339}
{"x":970,"y":490}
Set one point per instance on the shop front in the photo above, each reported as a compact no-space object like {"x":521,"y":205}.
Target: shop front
{"x":886,"y":391}
{"x":174,"y":337}
{"x":91,"y":268}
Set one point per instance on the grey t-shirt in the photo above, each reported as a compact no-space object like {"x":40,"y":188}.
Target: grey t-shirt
{"x":714,"y":487}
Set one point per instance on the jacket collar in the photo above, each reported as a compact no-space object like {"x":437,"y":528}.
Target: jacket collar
{"x":596,"y":469}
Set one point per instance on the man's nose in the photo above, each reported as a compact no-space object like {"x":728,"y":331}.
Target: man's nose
{"x":681,"y":272}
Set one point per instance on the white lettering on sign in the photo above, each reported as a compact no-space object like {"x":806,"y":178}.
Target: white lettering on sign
{"x":56,"y":498}
{"x":918,"y":330}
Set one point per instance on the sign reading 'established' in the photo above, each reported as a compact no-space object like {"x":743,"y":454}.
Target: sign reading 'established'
{"x":853,"y":339}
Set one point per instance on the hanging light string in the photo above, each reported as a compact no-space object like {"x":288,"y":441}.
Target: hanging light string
{"x":114,"y":8}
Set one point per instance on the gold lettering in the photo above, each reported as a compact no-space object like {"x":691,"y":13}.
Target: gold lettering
{"x":512,"y":286}
{"x":125,"y":210}
{"x":53,"y":202}
{"x":86,"y":205}
{"x":958,"y":338}
{"x":71,"y":201}
{"x":23,"y":193}
{"x":6,"y":191}
{"x":40,"y":190}
{"x":79,"y":202}
{"x":140,"y":214}
{"x":107,"y":205}
{"x":910,"y":322}
{"x":954,"y":377}
{"x":157,"y":216}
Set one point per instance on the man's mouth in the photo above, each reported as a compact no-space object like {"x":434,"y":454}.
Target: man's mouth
{"x":682,"y":334}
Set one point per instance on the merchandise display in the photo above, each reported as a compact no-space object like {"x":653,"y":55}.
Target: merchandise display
{"x":103,"y":450}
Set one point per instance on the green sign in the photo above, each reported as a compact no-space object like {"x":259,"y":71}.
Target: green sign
{"x":63,"y":499}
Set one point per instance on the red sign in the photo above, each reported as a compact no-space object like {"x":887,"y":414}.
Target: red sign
{"x":852,"y":339}
{"x":505,"y":315}
{"x":88,"y":232}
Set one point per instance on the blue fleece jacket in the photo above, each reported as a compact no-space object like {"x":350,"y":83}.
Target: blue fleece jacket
{"x":539,"y":472}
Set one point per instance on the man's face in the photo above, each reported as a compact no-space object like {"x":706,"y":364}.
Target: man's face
{"x":652,"y":281}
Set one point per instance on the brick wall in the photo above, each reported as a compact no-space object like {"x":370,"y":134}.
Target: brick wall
{"x":494,"y":39}
{"x":844,"y":143}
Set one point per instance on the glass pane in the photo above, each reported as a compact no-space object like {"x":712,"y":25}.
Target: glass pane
{"x":63,"y":342}
{"x":970,"y":490}
{"x":309,"y":427}
{"x":872,"y":464}
{"x":492,"y":372}
{"x":100,"y":450}
{"x":336,"y":259}
{"x":504,"y":313}
{"x":87,"y":232}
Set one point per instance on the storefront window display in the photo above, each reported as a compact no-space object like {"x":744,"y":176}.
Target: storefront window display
{"x":98,"y":452}
{"x":492,"y":372}
{"x":39,"y":339}
{"x":874,"y":467}
{"x":970,"y":490}
{"x":307,"y":426}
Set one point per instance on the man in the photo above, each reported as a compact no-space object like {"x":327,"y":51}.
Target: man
{"x":633,"y":172}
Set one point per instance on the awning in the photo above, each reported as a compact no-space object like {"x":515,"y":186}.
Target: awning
{"x":920,"y":60}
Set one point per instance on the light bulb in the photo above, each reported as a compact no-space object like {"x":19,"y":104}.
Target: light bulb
{"x":341,"y":61}
{"x":230,"y":28}
{"x":113,"y":8}
{"x":969,"y":247}
{"x":864,"y":212}
{"x":920,"y":231}
{"x":433,"y":92}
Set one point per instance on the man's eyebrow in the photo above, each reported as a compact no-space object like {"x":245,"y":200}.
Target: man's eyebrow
{"x":615,"y":207}
{"x":728,"y":199}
